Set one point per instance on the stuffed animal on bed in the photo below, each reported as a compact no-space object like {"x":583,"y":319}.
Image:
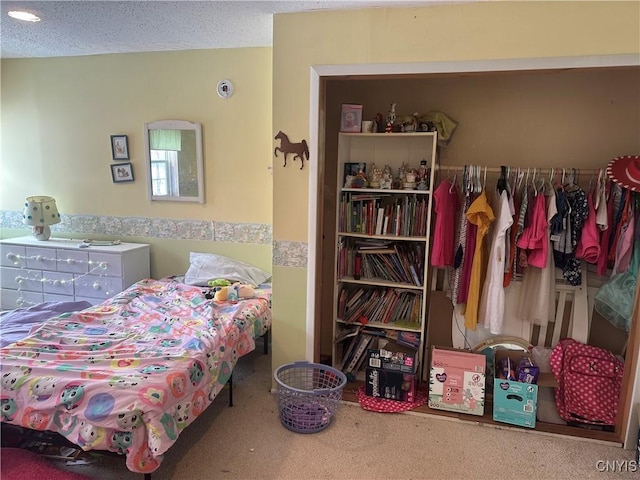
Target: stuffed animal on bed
{"x":232,"y":293}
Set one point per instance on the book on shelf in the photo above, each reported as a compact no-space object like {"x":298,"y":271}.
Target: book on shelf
{"x":363,"y":342}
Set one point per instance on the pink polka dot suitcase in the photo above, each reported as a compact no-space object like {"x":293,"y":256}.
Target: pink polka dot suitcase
{"x":589,"y":382}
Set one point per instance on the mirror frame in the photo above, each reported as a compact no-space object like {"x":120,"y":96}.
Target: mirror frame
{"x":175,"y":125}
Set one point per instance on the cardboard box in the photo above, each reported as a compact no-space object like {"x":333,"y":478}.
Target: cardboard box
{"x":391,"y":385}
{"x":457,"y":381}
{"x":405,"y":362}
{"x":513,"y":402}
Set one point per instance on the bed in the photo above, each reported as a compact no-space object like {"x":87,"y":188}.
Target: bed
{"x":130,"y":374}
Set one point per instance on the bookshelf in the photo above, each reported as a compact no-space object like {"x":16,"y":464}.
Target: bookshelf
{"x":382,"y":246}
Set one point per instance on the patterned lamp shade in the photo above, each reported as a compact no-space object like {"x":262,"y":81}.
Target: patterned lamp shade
{"x":40,"y":212}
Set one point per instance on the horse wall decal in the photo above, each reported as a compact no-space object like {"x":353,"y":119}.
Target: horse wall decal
{"x":299,"y":150}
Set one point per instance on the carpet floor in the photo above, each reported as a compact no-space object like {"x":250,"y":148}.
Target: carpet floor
{"x":247,"y":441}
{"x":18,"y":464}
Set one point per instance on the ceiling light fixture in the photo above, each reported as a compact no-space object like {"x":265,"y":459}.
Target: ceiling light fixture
{"x":25,"y":16}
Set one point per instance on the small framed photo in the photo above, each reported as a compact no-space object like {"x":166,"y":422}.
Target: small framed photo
{"x":351,"y":171}
{"x":119,"y":147}
{"x":122,"y":172}
{"x":351,"y":118}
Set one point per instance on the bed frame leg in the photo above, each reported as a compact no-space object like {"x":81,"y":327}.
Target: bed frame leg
{"x":230,"y":382}
{"x":265,"y":345}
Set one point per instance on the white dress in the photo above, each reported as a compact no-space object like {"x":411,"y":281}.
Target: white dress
{"x":491,"y":312}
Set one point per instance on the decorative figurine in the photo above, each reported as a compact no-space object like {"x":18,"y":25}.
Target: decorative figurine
{"x":376,"y":177}
{"x":387,"y":178}
{"x":360,"y":180}
{"x":391,"y":118}
{"x":423,"y":171}
{"x":348,"y":181}
{"x":410,"y":179}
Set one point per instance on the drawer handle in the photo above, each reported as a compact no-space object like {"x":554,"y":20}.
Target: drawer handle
{"x":70,"y":261}
{"x":12,"y":257}
{"x":96,"y":285}
{"x":20,"y":301}
{"x":19,"y":280}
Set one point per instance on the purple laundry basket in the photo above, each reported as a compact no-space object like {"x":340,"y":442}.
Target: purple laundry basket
{"x":308,"y":395}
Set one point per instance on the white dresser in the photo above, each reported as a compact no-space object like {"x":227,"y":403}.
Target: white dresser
{"x":33,"y":271}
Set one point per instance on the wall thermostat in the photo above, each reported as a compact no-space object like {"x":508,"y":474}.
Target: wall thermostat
{"x":224,"y":88}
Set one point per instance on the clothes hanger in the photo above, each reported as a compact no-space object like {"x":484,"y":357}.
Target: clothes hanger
{"x":502,"y":181}
{"x":453,"y":183}
{"x":484,"y":180}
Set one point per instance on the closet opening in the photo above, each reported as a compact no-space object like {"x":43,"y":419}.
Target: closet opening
{"x":489,"y":136}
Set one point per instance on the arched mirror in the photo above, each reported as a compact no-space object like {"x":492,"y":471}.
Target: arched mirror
{"x":173,"y":150}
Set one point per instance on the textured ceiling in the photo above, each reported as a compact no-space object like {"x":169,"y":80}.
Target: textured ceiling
{"x":69,"y":28}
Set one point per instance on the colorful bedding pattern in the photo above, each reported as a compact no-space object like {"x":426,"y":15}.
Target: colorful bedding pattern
{"x":130,"y":374}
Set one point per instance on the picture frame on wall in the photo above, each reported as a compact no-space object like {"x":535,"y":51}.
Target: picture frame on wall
{"x":119,"y":147}
{"x":351,"y":118}
{"x":122,"y":172}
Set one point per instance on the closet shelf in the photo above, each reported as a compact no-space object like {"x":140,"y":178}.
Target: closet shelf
{"x":383,"y":237}
{"x":378,"y":282}
{"x":383,"y":191}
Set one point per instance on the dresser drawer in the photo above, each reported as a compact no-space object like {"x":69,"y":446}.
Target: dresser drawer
{"x":60,"y":283}
{"x":12,"y":256}
{"x":95,"y":286}
{"x":73,"y":261}
{"x":11,"y":299}
{"x":41,"y":258}
{"x":21,"y":278}
{"x":105,"y":264}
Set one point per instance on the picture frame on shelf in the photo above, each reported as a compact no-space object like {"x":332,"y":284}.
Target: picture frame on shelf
{"x":119,"y":147}
{"x":351,"y":119}
{"x":351,"y":170}
{"x":122,"y":172}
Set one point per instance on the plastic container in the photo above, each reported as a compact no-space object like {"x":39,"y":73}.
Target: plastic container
{"x":308,"y":395}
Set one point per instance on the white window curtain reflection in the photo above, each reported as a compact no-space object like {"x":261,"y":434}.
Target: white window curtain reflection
{"x":165,"y":140}
{"x":163,"y":163}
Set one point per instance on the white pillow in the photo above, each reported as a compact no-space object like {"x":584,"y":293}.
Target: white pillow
{"x":209,"y":266}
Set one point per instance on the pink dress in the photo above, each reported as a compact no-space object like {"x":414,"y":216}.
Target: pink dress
{"x":446,"y":205}
{"x":534,"y":238}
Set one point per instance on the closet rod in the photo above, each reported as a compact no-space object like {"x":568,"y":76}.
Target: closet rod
{"x":579,"y":171}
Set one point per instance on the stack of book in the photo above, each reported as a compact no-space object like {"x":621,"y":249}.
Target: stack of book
{"x":380,"y":306}
{"x":383,"y":214}
{"x":381,"y":260}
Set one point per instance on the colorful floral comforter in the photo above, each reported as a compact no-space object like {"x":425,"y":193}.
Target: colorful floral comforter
{"x":130,"y":374}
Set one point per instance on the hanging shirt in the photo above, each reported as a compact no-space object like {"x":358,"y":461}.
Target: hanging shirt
{"x":511,"y":235}
{"x":625,"y":245}
{"x":534,"y":238}
{"x":446,"y":205}
{"x":572,"y":270}
{"x":459,"y":255}
{"x":606,"y":234}
{"x":469,"y":252}
{"x":491,"y":310}
{"x":589,"y":244}
{"x":481,"y":215}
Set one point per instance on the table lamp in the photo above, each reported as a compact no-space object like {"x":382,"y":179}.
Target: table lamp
{"x":40,"y":212}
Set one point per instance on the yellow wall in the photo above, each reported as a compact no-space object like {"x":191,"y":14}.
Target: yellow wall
{"x":58,"y":114}
{"x":461,"y":32}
